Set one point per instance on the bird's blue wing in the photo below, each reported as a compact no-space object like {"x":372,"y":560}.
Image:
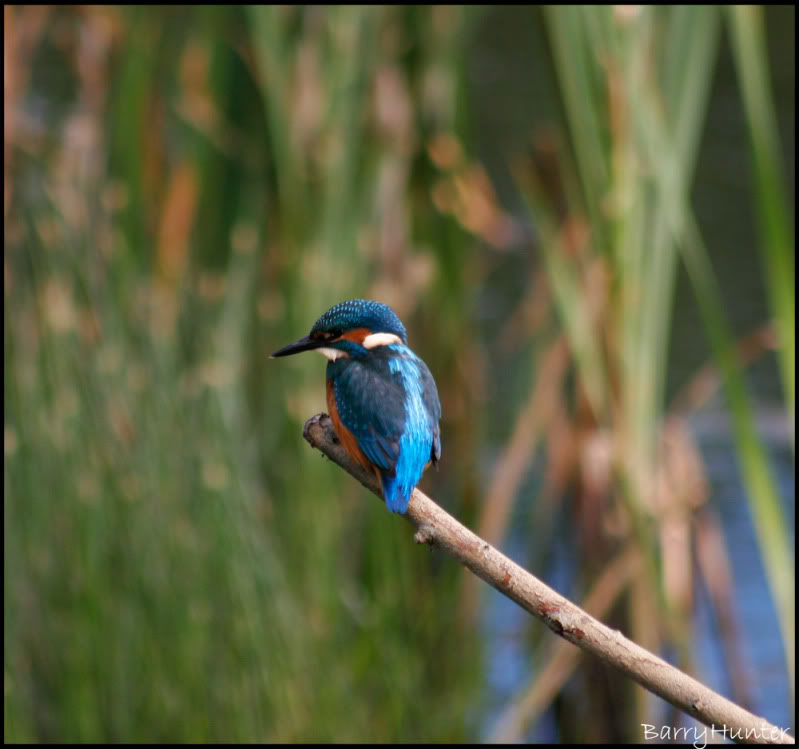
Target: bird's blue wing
{"x":370,"y":402}
{"x":433,"y":407}
{"x":390,"y":405}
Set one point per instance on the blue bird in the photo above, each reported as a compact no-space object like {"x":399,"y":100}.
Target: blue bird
{"x":382,"y":398}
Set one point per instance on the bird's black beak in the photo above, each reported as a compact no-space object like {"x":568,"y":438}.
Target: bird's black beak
{"x":304,"y":344}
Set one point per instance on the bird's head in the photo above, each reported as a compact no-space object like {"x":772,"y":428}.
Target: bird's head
{"x":350,"y":328}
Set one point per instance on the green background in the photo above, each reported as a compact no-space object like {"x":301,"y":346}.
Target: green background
{"x":582,"y":216}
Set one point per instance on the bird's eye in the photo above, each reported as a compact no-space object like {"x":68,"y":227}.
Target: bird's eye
{"x":329,"y":335}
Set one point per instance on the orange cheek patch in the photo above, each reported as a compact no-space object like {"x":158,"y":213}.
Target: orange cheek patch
{"x":357,"y":335}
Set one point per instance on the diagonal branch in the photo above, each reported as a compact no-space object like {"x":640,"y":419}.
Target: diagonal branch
{"x":437,"y":528}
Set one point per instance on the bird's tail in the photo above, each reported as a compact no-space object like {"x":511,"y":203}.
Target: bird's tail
{"x":397,"y":495}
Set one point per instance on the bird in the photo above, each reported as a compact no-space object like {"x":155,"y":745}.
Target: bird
{"x":381,"y":396}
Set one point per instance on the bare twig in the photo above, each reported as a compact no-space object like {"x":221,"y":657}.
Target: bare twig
{"x":552,"y":675}
{"x":437,"y":528}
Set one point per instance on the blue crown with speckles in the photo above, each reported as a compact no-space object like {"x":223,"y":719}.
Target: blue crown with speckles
{"x":361,"y":313}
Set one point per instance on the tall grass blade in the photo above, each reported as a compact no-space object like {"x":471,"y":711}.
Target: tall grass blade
{"x":770,"y":523}
{"x":777,"y":233}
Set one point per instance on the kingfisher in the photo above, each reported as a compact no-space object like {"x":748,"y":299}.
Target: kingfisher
{"x":382,"y":399}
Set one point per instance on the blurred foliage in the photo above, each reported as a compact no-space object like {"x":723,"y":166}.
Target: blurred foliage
{"x":186,"y":190}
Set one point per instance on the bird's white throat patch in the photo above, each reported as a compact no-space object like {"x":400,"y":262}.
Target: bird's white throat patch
{"x":380,"y":339}
{"x":332,"y":353}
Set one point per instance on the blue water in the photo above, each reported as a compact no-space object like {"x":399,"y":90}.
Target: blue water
{"x":506,"y":626}
{"x":757,"y":617}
